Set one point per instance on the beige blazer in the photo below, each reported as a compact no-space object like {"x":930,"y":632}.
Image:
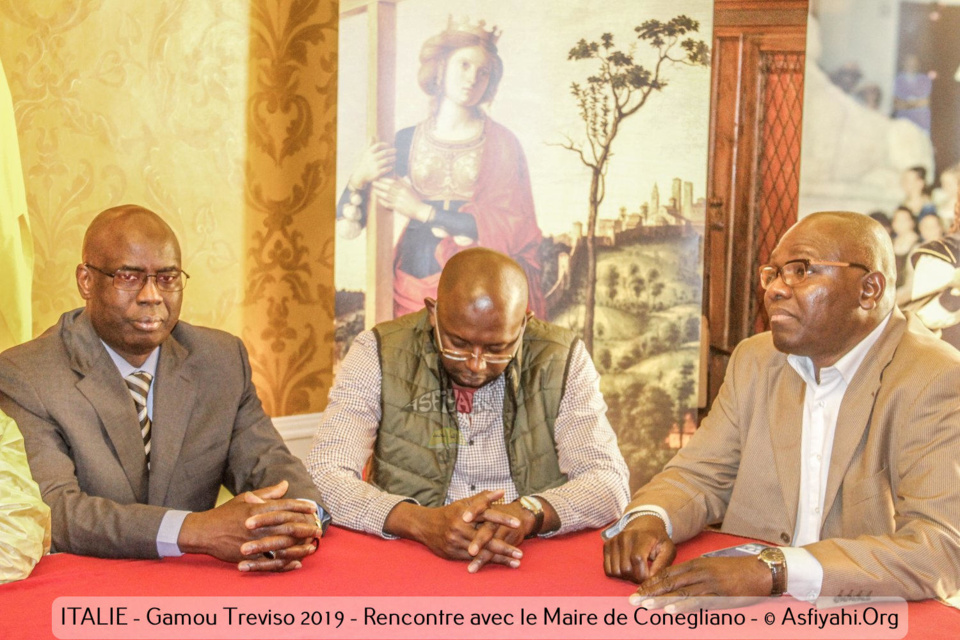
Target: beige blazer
{"x":83,"y":439}
{"x":892,"y":503}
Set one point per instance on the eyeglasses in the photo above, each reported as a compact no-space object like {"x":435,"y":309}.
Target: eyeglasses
{"x":795,"y":271}
{"x":132,"y":280}
{"x":463,"y":356}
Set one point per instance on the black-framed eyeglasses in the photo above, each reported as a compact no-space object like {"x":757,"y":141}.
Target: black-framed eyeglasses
{"x":133,"y":280}
{"x":463,"y":356}
{"x":795,"y":271}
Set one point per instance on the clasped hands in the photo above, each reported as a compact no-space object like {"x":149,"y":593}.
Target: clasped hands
{"x":643,"y":553}
{"x":474,"y":529}
{"x":252,"y":527}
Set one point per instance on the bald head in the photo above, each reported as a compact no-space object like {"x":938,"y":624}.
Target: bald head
{"x":844,"y":292}
{"x":854,"y":237}
{"x":120,"y":223}
{"x":483,"y":281}
{"x":480,"y":309}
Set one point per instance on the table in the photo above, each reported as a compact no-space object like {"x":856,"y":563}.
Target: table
{"x":354,"y":564}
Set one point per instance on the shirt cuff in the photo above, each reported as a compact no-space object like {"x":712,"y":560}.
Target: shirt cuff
{"x":322,"y":515}
{"x":169,"y":533}
{"x":381,"y":509}
{"x":804,"y":574}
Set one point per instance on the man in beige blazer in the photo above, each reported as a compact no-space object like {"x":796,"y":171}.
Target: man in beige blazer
{"x":141,"y":480}
{"x":836,"y":434}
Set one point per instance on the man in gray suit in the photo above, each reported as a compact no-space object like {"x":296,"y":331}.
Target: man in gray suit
{"x":133,"y":420}
{"x":836,"y":435}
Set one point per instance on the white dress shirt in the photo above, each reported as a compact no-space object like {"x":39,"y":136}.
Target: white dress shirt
{"x":821,"y":407}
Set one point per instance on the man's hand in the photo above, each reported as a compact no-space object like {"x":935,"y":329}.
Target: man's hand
{"x":683,"y":587}
{"x":254,"y":523}
{"x":490,"y":531}
{"x":448,"y":531}
{"x":640,"y":551}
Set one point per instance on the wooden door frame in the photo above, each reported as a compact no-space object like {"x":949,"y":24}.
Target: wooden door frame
{"x":743,"y":32}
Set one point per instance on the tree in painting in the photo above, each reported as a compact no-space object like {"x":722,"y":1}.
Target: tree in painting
{"x":618,"y":89}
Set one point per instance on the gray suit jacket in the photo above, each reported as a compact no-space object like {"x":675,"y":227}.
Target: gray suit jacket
{"x":83,"y":440}
{"x":892,"y":502}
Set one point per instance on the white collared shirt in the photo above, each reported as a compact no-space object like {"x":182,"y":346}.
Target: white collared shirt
{"x":821,"y":408}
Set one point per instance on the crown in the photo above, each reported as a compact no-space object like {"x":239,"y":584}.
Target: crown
{"x":476,"y":28}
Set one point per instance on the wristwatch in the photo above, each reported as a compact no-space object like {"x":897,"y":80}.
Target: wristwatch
{"x":534,"y":506}
{"x":777,"y":563}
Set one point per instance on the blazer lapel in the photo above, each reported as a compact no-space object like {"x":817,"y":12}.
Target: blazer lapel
{"x":103,"y":387}
{"x":856,"y":410}
{"x":175,"y":390}
{"x":785,"y":415}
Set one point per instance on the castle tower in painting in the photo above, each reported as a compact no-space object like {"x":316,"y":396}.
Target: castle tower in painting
{"x":686,"y":209}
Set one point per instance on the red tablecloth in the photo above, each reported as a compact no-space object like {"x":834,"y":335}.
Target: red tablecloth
{"x":353,"y":564}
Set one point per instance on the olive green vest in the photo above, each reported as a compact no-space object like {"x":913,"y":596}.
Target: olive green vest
{"x":418,"y":439}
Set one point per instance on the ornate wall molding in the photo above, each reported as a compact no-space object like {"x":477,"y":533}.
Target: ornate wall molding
{"x":291,"y":161}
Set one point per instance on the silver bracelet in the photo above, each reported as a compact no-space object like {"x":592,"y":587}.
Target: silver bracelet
{"x":621,"y":524}
{"x":637,"y":514}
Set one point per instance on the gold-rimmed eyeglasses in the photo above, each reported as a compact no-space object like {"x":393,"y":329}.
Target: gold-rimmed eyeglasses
{"x":795,"y":271}
{"x":135,"y":280}
{"x":463,"y":356}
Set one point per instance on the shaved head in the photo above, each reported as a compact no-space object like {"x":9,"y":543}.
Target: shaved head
{"x":484,"y":281}
{"x":118,"y":223}
{"x":481,"y":307}
{"x":858,"y":238}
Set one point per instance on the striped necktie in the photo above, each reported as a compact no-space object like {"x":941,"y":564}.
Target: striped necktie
{"x":138,"y":383}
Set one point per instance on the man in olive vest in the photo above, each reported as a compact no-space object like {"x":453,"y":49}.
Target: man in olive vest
{"x":481,"y":424}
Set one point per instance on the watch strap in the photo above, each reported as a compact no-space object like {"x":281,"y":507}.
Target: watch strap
{"x":777,"y":563}
{"x":534,"y":506}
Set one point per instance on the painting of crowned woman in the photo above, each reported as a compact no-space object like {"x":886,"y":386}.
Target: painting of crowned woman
{"x":457,"y":178}
{"x":571,"y":137}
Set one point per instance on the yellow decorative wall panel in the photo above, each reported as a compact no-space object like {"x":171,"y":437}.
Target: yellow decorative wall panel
{"x":291,"y":162}
{"x":219,"y":116}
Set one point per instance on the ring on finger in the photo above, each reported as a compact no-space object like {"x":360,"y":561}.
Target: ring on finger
{"x":270,"y":555}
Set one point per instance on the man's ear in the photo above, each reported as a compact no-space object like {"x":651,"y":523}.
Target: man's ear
{"x":84,"y":282}
{"x":872,"y":287}
{"x":431,"y":306}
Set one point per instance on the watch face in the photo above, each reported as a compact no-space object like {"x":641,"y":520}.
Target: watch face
{"x":772,"y":555}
